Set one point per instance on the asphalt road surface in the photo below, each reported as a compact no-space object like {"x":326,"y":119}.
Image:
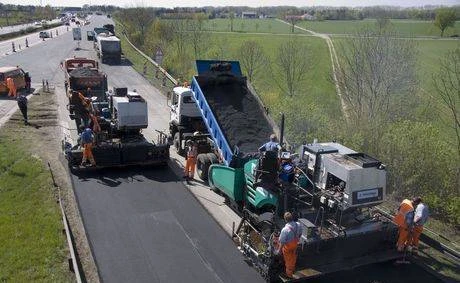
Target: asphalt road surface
{"x":145,"y":226}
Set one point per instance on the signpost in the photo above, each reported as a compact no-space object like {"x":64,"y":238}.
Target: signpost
{"x":77,"y":36}
{"x":159,"y":56}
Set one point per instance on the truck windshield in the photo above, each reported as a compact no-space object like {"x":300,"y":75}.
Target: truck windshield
{"x":110,"y":46}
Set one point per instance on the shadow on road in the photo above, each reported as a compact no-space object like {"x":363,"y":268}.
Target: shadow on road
{"x":114,"y":177}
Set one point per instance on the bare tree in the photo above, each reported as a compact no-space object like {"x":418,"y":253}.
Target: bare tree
{"x":252,"y":58}
{"x":197,"y":34}
{"x":180,"y":35}
{"x":292,"y":61}
{"x":377,"y":72}
{"x":142,"y":18}
{"x":232,"y":18}
{"x":447,"y":83}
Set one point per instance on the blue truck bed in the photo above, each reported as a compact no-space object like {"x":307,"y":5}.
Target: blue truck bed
{"x":234,"y":117}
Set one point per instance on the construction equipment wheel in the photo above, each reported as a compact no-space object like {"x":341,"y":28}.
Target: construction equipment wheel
{"x":202,"y":166}
{"x":176,"y":142}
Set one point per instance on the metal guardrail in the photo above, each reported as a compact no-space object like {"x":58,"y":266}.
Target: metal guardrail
{"x":163,"y":71}
{"x":73,"y":263}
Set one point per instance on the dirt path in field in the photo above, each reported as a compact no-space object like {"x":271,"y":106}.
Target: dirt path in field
{"x":334,"y":62}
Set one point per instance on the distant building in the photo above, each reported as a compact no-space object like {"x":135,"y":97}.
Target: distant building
{"x":249,"y":15}
{"x":308,"y":17}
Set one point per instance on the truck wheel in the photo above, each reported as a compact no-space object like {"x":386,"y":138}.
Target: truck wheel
{"x":212,"y":158}
{"x":177,"y":144}
{"x":202,"y":166}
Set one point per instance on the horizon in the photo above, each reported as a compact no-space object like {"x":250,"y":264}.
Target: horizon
{"x":241,"y":3}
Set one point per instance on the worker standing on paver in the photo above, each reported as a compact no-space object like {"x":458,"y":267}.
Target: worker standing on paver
{"x":420,"y":218}
{"x":289,"y":238}
{"x":272,"y":145}
{"x":190,"y":163}
{"x":11,"y":87}
{"x":86,"y":139}
{"x":404,"y":218}
{"x":22,"y":104}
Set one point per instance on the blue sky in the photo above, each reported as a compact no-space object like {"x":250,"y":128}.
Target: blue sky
{"x":252,"y":3}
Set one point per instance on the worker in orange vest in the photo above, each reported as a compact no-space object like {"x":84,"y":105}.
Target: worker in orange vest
{"x":11,"y":87}
{"x":288,"y":240}
{"x":404,"y":218}
{"x":421,"y":215}
{"x":86,"y":139}
{"x":190,"y":163}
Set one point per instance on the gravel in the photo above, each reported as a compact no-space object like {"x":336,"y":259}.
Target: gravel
{"x":83,"y":72}
{"x":237,"y":111}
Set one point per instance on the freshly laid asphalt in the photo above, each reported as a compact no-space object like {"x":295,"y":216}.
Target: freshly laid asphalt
{"x":145,"y":226}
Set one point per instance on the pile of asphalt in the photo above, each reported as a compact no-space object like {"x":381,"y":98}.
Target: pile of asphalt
{"x":83,"y":72}
{"x":237,"y":111}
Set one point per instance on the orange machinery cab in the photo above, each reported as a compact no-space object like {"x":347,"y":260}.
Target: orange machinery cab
{"x":16,"y":73}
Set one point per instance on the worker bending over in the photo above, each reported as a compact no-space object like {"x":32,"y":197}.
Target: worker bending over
{"x":420,"y":218}
{"x":11,"y":87}
{"x":404,"y":218}
{"x":86,"y":140}
{"x":289,"y":238}
{"x":190,"y":163}
{"x":272,"y":145}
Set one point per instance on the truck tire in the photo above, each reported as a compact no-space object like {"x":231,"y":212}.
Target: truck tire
{"x":177,"y":144}
{"x":202,"y":166}
{"x":212,"y":158}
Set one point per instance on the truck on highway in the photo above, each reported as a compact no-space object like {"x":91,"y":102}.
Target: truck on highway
{"x":331,"y":189}
{"x":108,"y":48}
{"x":119,"y":141}
{"x":83,"y":75}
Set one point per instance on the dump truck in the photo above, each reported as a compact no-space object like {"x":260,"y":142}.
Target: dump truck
{"x":121,"y":117}
{"x":108,"y":48}
{"x":331,"y":189}
{"x":83,"y":75}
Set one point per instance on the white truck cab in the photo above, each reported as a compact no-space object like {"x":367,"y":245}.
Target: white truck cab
{"x":183,"y":106}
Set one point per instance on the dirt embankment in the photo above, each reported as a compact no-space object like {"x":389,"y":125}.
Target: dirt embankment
{"x":44,"y":136}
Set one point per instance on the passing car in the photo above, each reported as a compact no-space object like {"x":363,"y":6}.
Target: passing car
{"x":44,"y":34}
{"x":67,"y":23}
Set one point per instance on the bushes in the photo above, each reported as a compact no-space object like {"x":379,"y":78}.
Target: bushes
{"x":421,"y":162}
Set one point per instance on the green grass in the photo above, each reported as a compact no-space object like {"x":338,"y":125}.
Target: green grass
{"x":402,"y":27}
{"x":249,"y":25}
{"x":32,"y":246}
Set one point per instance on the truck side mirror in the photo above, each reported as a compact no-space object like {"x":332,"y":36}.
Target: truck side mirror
{"x":168,"y":98}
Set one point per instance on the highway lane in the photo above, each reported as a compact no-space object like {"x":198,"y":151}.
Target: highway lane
{"x":10,"y":29}
{"x":145,"y":226}
{"x":142,"y":224}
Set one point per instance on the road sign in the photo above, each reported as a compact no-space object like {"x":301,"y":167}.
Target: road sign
{"x":159,"y":56}
{"x":76,"y":33}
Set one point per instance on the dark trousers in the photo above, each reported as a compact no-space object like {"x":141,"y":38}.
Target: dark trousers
{"x":23,"y":109}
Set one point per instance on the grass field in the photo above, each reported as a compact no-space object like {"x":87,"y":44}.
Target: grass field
{"x":32,"y":246}
{"x":402,"y":27}
{"x":249,"y":25}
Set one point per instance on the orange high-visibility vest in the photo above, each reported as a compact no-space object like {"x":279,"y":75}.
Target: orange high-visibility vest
{"x":404,"y":208}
